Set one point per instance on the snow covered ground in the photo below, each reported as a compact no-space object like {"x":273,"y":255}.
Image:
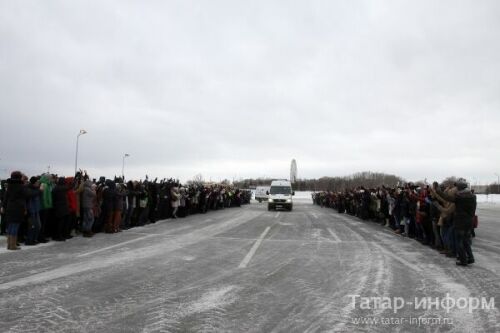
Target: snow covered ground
{"x":488,"y":199}
{"x":300,"y":271}
{"x":303,"y":196}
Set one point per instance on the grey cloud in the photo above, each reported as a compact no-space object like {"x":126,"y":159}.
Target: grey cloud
{"x":231,"y":89}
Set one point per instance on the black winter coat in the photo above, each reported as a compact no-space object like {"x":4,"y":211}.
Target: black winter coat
{"x":14,"y":203}
{"x":108,"y":199}
{"x":465,"y":208}
{"x":119,"y":200}
{"x":404,"y":207}
{"x":60,"y":200}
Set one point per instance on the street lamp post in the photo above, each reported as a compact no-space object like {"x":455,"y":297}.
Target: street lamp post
{"x":123,"y":166}
{"x":82,"y":132}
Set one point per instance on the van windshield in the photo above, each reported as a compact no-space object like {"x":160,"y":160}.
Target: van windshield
{"x":281,"y":190}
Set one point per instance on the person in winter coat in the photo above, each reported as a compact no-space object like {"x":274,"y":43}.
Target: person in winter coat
{"x":118,"y":204}
{"x":87,"y":202}
{"x":404,"y":214}
{"x":140,"y":202}
{"x":175,"y":200}
{"x":423,"y":222}
{"x":436,"y":229}
{"x":182,"y":202}
{"x":72,"y":204}
{"x":14,"y":206}
{"x":152,"y":189}
{"x":465,"y":209}
{"x":237,"y":196}
{"x":61,"y":209}
{"x":78,"y":188}
{"x":445,"y":222}
{"x":203,"y":199}
{"x":108,"y":200}
{"x":163,"y":202}
{"x":34,"y":207}
{"x":99,"y":216}
{"x":3,"y":227}
{"x":412,"y":212}
{"x":129,"y":207}
{"x":391,"y":202}
{"x":396,"y":212}
{"x":143,"y":203}
{"x":46,"y":207}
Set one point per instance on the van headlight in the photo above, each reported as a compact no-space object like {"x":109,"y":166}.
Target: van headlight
{"x":270,"y":200}
{"x":288,"y":200}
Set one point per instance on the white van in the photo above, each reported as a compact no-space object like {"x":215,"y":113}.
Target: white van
{"x":280,"y":195}
{"x":261,"y":193}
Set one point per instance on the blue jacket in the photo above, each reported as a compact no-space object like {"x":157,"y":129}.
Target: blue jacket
{"x":34,"y":204}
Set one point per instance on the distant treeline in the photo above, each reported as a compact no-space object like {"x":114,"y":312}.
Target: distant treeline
{"x":492,"y":189}
{"x":366,"y":179}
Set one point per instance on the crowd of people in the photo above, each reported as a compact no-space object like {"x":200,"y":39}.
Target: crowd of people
{"x":37,"y":209}
{"x":440,"y":216}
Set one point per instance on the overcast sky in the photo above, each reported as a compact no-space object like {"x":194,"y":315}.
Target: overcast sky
{"x":238,"y":88}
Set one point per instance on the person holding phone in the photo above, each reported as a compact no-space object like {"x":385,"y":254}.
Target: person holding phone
{"x":465,"y":209}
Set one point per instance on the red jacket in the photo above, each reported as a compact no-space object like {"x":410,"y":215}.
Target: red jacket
{"x":71,"y":195}
{"x":421,"y":213}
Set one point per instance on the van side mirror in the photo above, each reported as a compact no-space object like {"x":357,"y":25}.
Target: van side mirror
{"x":267,"y":192}
{"x":293,"y":193}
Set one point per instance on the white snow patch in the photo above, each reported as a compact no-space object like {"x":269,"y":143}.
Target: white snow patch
{"x":188,"y":258}
{"x":213,"y":299}
{"x":303,"y":196}
{"x":316,"y":233}
{"x":488,"y":198}
{"x":125,"y":257}
{"x":334,"y":235}
{"x":456,"y":290}
{"x":285,"y":223}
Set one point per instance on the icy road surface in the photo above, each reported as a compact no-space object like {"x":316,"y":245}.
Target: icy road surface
{"x":245,"y":270}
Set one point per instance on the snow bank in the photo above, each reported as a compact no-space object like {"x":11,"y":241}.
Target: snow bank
{"x":488,"y":199}
{"x":303,"y":195}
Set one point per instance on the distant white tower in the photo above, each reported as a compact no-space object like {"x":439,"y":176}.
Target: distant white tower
{"x":293,"y":171}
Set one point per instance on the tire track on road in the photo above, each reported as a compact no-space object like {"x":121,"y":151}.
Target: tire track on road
{"x":375,"y":267}
{"x":97,"y":310}
{"x":449,"y":282}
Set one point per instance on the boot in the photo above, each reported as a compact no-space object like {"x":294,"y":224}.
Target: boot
{"x":14,"y":243}
{"x":9,"y":243}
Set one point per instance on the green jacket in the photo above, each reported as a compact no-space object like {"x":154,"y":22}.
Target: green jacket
{"x":47,"y":192}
